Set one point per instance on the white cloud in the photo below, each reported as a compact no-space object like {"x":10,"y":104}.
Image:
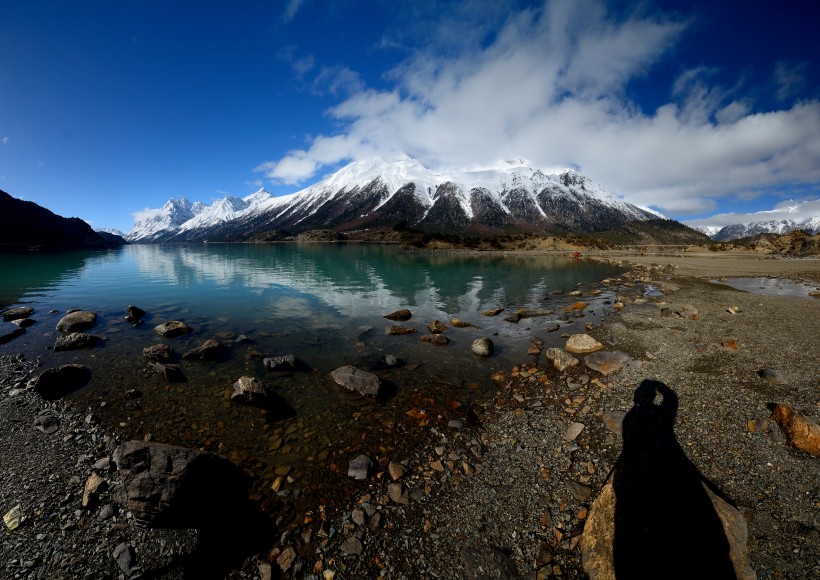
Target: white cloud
{"x":291,"y":8}
{"x":146,"y":214}
{"x":790,"y":79}
{"x":785,"y":210}
{"x":5,"y":140}
{"x":551,"y":86}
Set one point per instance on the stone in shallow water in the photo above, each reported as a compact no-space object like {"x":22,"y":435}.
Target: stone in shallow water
{"x":438,"y":339}
{"x":56,"y":382}
{"x":249,"y":390}
{"x":173,"y":328}
{"x":397,"y":329}
{"x":77,"y":321}
{"x":134,"y":314}
{"x":280,"y":363}
{"x":399,"y":315}
{"x":23,"y":322}
{"x":354,"y":379}
{"x":482,"y":346}
{"x":437,"y":327}
{"x":19,"y":312}
{"x":75,"y":341}
{"x":493,"y":312}
{"x":208,"y":350}
{"x":9,"y":332}
{"x":158,"y":352}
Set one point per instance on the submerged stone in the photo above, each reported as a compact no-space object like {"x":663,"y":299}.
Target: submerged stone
{"x":77,"y":321}
{"x":357,"y":380}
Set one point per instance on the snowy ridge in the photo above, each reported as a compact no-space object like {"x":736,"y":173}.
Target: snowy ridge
{"x":509,"y":192}
{"x":810,"y":225}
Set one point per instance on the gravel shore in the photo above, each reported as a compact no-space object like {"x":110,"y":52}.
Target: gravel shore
{"x":505,"y":491}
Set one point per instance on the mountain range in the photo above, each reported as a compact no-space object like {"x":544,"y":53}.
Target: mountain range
{"x":377,"y":192}
{"x":809,"y":225}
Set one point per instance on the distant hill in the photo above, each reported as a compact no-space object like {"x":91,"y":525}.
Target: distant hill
{"x":24,"y":225}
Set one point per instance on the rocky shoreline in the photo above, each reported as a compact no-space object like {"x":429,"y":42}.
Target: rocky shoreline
{"x":504,"y":492}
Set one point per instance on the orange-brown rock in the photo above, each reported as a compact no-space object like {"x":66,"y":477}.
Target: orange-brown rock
{"x":800,"y":431}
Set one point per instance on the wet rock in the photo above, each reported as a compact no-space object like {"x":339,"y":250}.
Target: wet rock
{"x":158,"y":352}
{"x":359,"y":467}
{"x":172,"y":373}
{"x":493,"y":312}
{"x":23,"y":322}
{"x":280,"y":363}
{"x":613,"y":421}
{"x":211,"y":349}
{"x":456,"y":323}
{"x":513,"y":318}
{"x":56,"y":382}
{"x":437,"y":327}
{"x":800,"y":431}
{"x":250,"y":391}
{"x":390,"y":360}
{"x":573,"y":431}
{"x":10,"y":314}
{"x":438,"y":339}
{"x":482,"y":346}
{"x":598,"y":538}
{"x":527,"y":313}
{"x":46,"y":423}
{"x":397,"y":329}
{"x":173,"y":328}
{"x":125,"y":556}
{"x":354,"y":379}
{"x":582,"y":344}
{"x":134,"y":314}
{"x":9,"y":332}
{"x":77,"y":321}
{"x":75,"y":341}
{"x":352,"y":546}
{"x":176,"y":487}
{"x":773,"y":376}
{"x":399,"y":315}
{"x":561,"y":359}
{"x":607,"y":362}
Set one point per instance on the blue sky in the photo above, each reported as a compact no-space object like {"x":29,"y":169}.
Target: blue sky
{"x":696,"y":109}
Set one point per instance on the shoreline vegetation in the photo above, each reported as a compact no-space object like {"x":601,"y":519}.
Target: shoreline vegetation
{"x":519,"y":487}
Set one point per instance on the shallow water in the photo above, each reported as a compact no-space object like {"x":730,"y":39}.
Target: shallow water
{"x":312,"y":301}
{"x":770,"y":286}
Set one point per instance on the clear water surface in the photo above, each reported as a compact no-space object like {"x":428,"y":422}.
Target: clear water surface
{"x":314,"y":301}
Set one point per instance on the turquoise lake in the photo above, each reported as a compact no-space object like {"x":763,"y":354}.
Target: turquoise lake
{"x":315,"y":301}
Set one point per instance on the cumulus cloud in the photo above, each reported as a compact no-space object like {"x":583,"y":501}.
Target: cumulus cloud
{"x":146,"y":214}
{"x":551,"y":85}
{"x":786,"y":210}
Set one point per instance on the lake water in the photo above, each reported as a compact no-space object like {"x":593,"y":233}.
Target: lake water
{"x":313,"y":301}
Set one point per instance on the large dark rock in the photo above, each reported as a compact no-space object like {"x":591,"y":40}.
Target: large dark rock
{"x":76,"y":340}
{"x":173,"y":487}
{"x":57,"y":382}
{"x":209,"y":350}
{"x":77,"y":321}
{"x":357,"y":380}
{"x":173,"y":328}
{"x":158,"y":352}
{"x":399,"y":315}
{"x":19,"y":312}
{"x":134,"y":314}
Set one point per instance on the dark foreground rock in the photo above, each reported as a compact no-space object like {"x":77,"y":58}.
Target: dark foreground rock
{"x":158,"y":352}
{"x":9,"y":332}
{"x":57,"y":382}
{"x":399,"y":315}
{"x":10,"y":314}
{"x":211,"y":349}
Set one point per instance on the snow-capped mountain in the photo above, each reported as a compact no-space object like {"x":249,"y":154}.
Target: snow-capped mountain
{"x":733,"y":232}
{"x":378,"y":192}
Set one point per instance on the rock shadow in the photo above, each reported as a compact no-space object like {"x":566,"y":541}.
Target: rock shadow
{"x":665,"y":523}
